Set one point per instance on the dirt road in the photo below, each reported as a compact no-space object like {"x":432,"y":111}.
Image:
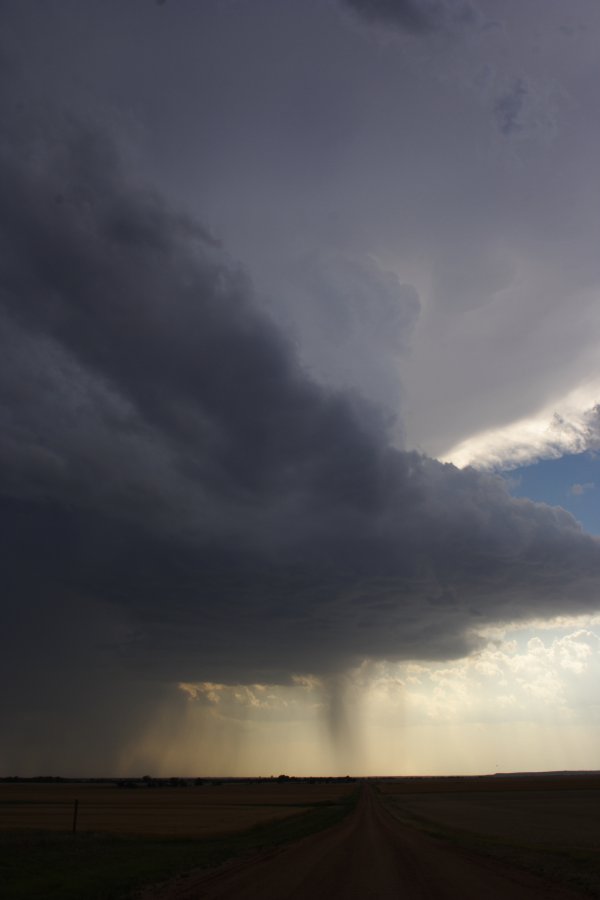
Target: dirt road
{"x":369,"y":855}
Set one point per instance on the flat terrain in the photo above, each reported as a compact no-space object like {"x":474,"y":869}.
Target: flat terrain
{"x":127,"y":838}
{"x":381,"y":851}
{"x":537,"y":811}
{"x":190,"y":812}
{"x":413,"y":838}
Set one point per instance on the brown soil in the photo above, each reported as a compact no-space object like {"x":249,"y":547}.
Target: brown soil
{"x":368,"y":855}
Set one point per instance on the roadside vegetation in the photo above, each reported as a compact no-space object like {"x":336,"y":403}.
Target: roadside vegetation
{"x":549,"y":828}
{"x":99,"y":866}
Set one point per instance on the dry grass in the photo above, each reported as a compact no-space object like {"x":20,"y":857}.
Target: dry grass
{"x":561,"y":810}
{"x":452,"y":784}
{"x":132,"y":837}
{"x":547,"y":824}
{"x":192,"y":812}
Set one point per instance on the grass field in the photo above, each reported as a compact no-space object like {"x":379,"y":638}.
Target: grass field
{"x":190,"y":812}
{"x":548,"y":824}
{"x":133,"y":837}
{"x":130,"y":837}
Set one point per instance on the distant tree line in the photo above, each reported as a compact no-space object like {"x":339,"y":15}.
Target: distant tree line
{"x":147,"y":781}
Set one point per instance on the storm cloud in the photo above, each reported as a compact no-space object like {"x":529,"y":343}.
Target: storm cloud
{"x":205,"y":475}
{"x":508,"y":108}
{"x":418,"y":17}
{"x":164,"y":452}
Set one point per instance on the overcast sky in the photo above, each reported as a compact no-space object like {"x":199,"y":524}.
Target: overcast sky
{"x":299,"y":331}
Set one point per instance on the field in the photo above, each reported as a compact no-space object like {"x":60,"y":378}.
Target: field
{"x":207,"y":810}
{"x":519,"y":836}
{"x":548,"y":824}
{"x":129,"y":837}
{"x":388,"y":848}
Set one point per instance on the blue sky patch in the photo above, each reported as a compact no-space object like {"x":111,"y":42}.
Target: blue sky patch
{"x":572,"y":482}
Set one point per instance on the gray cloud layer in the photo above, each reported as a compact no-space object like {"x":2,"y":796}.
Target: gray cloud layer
{"x":184,"y":494}
{"x":419,"y":17}
{"x":164,"y":452}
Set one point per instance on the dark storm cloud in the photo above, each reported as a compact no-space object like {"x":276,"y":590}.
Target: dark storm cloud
{"x":508,"y":108}
{"x":180,"y":501}
{"x":175,"y":337}
{"x":419,"y":17}
{"x":351,"y":321}
{"x":188,"y":494}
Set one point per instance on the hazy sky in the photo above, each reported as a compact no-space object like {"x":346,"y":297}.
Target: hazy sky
{"x":299,"y":329}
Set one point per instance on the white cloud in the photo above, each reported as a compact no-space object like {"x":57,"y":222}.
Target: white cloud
{"x":544,"y":678}
{"x":245,"y":701}
{"x":549,"y":434}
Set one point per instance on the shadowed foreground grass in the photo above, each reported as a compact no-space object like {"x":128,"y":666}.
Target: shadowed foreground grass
{"x":60,"y":866}
{"x":567,"y":862}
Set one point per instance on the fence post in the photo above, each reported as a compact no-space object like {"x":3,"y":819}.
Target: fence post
{"x":75,"y":809}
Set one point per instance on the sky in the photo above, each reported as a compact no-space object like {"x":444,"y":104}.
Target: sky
{"x":299,"y":395}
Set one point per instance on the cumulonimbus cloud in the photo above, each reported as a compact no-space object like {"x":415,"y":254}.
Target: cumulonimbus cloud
{"x":418,"y":17}
{"x":165,"y":454}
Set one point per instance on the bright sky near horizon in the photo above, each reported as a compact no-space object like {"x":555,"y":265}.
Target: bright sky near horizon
{"x":299,"y":386}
